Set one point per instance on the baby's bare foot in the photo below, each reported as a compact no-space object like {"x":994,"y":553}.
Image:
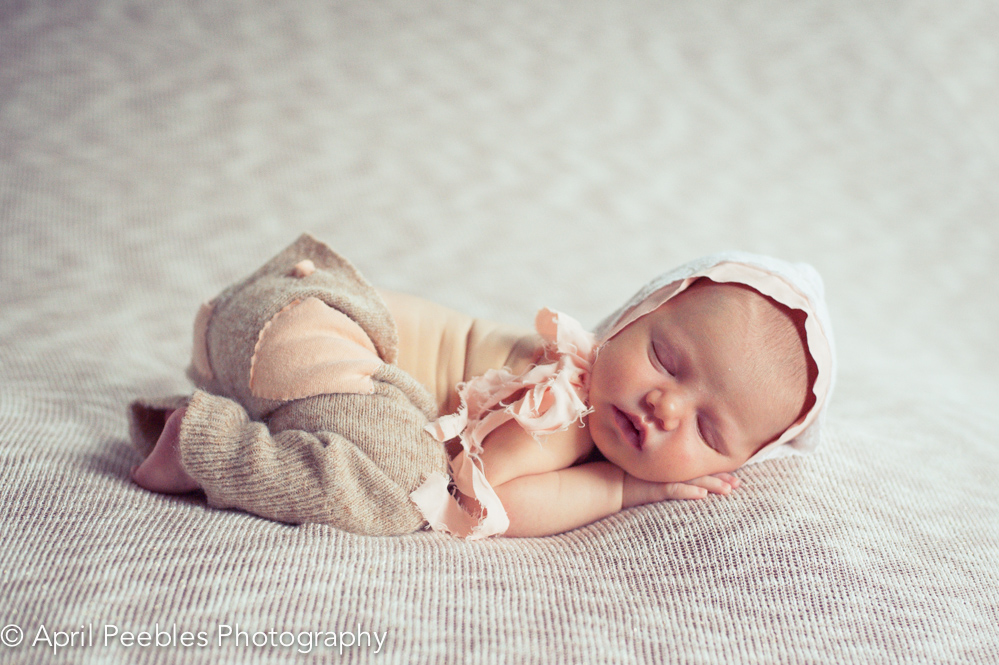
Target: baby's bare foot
{"x":162,"y":471}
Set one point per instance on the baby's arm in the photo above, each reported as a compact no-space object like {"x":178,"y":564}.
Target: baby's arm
{"x":544,"y":494}
{"x":548,"y":503}
{"x":509,"y":452}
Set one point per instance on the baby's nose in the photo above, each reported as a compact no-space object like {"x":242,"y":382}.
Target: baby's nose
{"x":666,"y":408}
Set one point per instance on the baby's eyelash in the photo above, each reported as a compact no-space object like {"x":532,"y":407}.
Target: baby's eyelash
{"x":700,"y":433}
{"x":661,"y":360}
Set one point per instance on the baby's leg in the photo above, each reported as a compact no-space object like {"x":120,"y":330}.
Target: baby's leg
{"x":162,"y":470}
{"x":298,"y":468}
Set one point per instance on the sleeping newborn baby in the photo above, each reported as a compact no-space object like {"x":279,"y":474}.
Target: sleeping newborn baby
{"x":320,"y":399}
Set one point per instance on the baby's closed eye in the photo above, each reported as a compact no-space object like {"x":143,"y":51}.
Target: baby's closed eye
{"x":662,"y":358}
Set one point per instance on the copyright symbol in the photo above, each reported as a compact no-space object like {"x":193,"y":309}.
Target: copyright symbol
{"x":11,"y":635}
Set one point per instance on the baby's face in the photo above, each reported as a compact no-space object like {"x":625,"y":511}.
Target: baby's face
{"x":684,"y":392}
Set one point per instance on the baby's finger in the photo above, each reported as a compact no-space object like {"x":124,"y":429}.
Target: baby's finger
{"x":712,"y":484}
{"x":689,"y":492}
{"x":729,"y":478}
{"x":679,"y":492}
{"x":683,"y":491}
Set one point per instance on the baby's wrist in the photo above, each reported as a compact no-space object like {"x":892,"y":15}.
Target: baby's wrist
{"x":631,"y":491}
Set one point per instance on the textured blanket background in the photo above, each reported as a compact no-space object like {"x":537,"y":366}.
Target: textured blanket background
{"x":498,"y":157}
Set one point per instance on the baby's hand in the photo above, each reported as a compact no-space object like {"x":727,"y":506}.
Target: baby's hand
{"x":638,"y":492}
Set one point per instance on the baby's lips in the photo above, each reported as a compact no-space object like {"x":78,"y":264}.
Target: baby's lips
{"x":641,"y":427}
{"x":632,"y":429}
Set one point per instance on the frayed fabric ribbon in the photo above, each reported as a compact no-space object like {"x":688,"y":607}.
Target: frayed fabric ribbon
{"x":546,"y":398}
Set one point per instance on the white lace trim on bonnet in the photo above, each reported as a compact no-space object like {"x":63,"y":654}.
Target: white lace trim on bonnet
{"x":795,"y":285}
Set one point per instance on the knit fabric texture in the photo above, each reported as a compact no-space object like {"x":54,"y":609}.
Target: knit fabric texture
{"x":499,"y":157}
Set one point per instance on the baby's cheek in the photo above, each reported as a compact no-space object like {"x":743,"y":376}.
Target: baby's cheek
{"x":598,"y":427}
{"x":607,"y":385}
{"x":677,"y":464}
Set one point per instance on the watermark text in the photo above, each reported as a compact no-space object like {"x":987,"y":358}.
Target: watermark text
{"x":222,"y":635}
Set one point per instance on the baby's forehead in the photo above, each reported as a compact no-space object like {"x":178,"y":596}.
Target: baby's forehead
{"x":723,"y":298}
{"x":732,"y":308}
